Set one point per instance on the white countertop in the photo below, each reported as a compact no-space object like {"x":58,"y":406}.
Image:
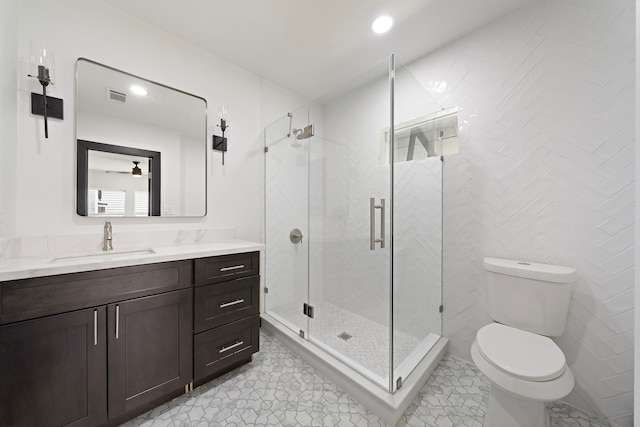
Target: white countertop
{"x":39,"y":266}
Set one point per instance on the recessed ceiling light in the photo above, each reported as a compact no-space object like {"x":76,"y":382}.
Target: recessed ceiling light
{"x":138,"y":90}
{"x":382,"y":24}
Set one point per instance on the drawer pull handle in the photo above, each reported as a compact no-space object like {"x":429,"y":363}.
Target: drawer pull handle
{"x":229,"y":304}
{"x":235,"y":267}
{"x":229,"y":347}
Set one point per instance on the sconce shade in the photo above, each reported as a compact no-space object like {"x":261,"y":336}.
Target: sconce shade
{"x":42,"y":64}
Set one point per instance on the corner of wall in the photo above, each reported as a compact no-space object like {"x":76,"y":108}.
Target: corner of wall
{"x":9,"y":10}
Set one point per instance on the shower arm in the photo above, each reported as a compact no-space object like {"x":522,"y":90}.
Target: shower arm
{"x":290,"y":121}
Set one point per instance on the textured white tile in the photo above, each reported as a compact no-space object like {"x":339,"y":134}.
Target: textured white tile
{"x":622,"y":322}
{"x":557,"y":130}
{"x":621,"y":342}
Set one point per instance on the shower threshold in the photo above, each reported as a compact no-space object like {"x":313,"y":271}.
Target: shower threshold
{"x":389,"y":407}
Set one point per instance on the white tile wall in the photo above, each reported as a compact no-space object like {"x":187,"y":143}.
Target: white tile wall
{"x":546,"y":173}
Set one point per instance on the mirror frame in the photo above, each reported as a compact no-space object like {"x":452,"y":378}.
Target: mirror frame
{"x":154,"y":187}
{"x":82,"y":163}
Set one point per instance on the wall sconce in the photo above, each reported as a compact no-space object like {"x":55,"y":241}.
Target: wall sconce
{"x":47,"y":106}
{"x":220,"y":142}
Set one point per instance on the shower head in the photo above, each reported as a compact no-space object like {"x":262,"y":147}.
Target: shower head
{"x":305,"y":133}
{"x":299,"y":133}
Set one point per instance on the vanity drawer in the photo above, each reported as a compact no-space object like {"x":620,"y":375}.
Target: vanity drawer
{"x":220,"y":349}
{"x":226,"y":302}
{"x":226,"y":267}
{"x":31,"y":298}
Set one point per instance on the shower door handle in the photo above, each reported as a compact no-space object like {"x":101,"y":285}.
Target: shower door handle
{"x":372,"y":214}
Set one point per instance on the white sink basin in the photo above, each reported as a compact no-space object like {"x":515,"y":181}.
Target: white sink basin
{"x":106,"y":255}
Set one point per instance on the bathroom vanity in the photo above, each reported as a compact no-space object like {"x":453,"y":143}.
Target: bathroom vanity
{"x":97,"y":340}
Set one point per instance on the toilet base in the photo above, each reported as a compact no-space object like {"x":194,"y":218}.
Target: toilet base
{"x":508,"y":410}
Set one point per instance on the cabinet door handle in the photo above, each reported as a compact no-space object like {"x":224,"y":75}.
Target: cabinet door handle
{"x":117,"y":321}
{"x":95,"y":327}
{"x":229,"y":347}
{"x":229,"y":304}
{"x":235,"y":267}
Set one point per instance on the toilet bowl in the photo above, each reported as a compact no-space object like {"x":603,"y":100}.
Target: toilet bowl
{"x":525,"y":367}
{"x":528,"y":365}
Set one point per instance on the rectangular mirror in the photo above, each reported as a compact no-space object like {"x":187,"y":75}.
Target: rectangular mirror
{"x":141,"y":146}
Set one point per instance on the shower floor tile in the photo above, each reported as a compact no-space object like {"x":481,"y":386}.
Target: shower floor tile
{"x":279,"y":389}
{"x":368,"y":345}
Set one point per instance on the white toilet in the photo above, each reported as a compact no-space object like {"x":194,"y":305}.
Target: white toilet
{"x":530,"y":302}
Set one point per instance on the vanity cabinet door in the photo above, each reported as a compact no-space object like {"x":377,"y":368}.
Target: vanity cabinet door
{"x":150,"y":350}
{"x":53,"y":370}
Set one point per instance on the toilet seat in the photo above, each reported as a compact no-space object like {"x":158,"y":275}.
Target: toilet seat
{"x":545,"y":391}
{"x":521,"y":354}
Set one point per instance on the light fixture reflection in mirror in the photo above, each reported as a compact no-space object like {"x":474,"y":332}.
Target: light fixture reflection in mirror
{"x":166,"y":121}
{"x":136,"y":171}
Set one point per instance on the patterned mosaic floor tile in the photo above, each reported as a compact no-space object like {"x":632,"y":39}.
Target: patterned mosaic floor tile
{"x":279,"y":389}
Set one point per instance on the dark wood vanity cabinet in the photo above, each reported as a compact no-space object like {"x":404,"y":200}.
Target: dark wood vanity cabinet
{"x":124,"y":344}
{"x":226,"y":313}
{"x":100,"y":347}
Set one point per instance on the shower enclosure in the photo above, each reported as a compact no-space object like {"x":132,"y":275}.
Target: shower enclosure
{"x":353,"y":211}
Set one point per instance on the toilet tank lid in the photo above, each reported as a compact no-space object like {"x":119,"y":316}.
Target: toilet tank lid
{"x":531,"y":270}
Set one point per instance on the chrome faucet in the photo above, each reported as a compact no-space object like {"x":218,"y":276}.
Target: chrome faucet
{"x":108,"y":237}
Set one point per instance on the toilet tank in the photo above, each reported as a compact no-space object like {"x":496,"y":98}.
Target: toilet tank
{"x":529,"y":296}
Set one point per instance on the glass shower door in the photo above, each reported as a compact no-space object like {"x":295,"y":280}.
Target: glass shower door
{"x":286,"y":221}
{"x":350,"y":201}
{"x":425,"y":137}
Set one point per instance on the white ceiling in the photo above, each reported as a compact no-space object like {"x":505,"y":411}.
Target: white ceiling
{"x":310,"y":46}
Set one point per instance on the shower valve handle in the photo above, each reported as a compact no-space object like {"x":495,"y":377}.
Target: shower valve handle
{"x":295,"y":236}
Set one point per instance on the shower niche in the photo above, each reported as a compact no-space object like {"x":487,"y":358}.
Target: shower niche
{"x":433,"y":135}
{"x":372,"y":308}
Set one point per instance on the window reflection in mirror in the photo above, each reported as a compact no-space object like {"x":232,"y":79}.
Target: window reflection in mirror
{"x":165,"y":120}
{"x":118,"y":181}
{"x":113,"y":187}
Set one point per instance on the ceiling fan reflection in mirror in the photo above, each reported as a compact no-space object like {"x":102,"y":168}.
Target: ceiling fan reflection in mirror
{"x":136,"y":171}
